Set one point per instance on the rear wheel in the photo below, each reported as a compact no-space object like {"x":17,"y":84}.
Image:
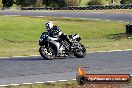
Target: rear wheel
{"x":47,"y":52}
{"x":80,"y":52}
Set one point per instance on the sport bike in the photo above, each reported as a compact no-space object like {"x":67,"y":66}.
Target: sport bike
{"x":62,"y":46}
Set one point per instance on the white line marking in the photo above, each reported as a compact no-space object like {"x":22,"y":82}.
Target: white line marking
{"x":39,"y":82}
{"x":4,"y":57}
{"x":83,"y":18}
{"x":107,"y":20}
{"x":95,"y":19}
{"x":12,"y":15}
{"x":27,"y":83}
{"x":111,"y":51}
{"x":20,"y":56}
{"x":73,"y":79}
{"x":50,"y":81}
{"x":4,"y":85}
{"x":87,"y":52}
{"x":62,"y":80}
{"x":97,"y":12}
{"x":14,"y":84}
{"x":120,"y":21}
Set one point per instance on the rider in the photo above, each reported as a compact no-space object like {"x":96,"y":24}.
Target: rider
{"x":54,"y":31}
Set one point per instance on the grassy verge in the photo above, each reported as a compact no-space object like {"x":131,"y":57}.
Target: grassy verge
{"x":84,"y":2}
{"x":19,"y":35}
{"x":105,"y":2}
{"x":70,"y":84}
{"x":0,"y":4}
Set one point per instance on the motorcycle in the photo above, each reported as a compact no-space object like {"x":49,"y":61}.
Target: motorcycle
{"x":63,"y":46}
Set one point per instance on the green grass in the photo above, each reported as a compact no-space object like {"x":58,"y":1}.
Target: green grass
{"x":105,"y":2}
{"x":83,"y":2}
{"x":19,"y":35}
{"x":70,"y":84}
{"x":0,"y":3}
{"x":67,"y":84}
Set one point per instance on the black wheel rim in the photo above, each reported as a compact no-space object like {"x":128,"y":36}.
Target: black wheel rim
{"x":48,"y":52}
{"x":81,"y":50}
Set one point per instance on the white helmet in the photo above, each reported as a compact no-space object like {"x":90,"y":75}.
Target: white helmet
{"x":49,"y":25}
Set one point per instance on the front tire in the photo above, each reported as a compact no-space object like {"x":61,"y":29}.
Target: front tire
{"x":47,"y":52}
{"x":80,"y":52}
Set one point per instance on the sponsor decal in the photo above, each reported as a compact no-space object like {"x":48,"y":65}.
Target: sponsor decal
{"x":82,"y":77}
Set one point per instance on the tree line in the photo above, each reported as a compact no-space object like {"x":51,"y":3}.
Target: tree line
{"x":40,"y":3}
{"x":55,"y":3}
{"x":99,"y":2}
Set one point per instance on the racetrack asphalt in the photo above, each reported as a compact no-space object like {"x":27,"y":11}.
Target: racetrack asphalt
{"x":32,"y":69}
{"x":19,"y":70}
{"x":127,"y":17}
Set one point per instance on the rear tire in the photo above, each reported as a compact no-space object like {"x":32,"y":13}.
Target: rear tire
{"x":47,"y":52}
{"x":80,"y":53}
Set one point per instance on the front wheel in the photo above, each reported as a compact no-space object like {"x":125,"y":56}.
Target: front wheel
{"x":80,"y":52}
{"x":47,"y":52}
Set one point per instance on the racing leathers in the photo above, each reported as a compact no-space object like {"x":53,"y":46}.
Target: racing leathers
{"x":56,"y":33}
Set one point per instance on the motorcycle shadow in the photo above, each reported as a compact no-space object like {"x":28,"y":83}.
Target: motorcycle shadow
{"x":69,"y":57}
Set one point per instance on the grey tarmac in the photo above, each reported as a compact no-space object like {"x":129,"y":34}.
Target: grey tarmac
{"x":36,"y":69}
{"x":127,"y":17}
{"x":17,"y":70}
